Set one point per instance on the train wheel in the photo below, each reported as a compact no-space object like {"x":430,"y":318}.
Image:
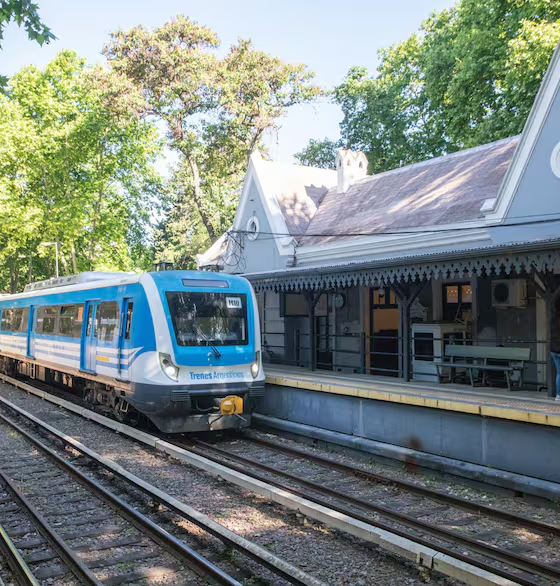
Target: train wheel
{"x":125,"y":413}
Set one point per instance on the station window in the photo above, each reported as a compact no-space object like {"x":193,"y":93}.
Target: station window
{"x":70,"y":323}
{"x":46,"y":320}
{"x":457,"y":300}
{"x":15,"y":319}
{"x":384,"y":298}
{"x":294,"y":305}
{"x":107,"y":321}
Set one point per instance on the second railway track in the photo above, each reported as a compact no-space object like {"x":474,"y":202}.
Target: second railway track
{"x":515,"y":547}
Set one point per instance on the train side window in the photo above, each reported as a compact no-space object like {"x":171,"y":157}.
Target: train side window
{"x":107,"y":321}
{"x":78,"y":320}
{"x":89,"y":320}
{"x":24,"y":319}
{"x":46,"y":320}
{"x":14,"y":320}
{"x":128,"y":321}
{"x":7,"y":319}
{"x":68,"y":323}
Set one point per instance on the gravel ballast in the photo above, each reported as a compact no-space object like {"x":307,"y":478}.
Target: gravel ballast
{"x":330,"y":556}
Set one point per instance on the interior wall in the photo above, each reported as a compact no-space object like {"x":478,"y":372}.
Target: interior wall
{"x":509,"y":326}
{"x":348,"y":332}
{"x":273,"y":327}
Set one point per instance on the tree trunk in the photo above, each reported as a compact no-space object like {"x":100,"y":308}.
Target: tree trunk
{"x":74,"y":263}
{"x":198,"y":198}
{"x":14,"y":276}
{"x":63,"y":261}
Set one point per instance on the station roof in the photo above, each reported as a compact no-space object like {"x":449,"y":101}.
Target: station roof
{"x":445,"y":190}
{"x":297,"y":189}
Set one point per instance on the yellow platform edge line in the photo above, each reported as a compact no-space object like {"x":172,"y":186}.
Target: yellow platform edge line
{"x":448,"y":404}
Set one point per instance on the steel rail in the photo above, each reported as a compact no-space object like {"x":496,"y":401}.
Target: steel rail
{"x":520,"y":562}
{"x":195,"y":561}
{"x":297,"y":579}
{"x":518,"y":520}
{"x":22,"y":573}
{"x":70,"y":559}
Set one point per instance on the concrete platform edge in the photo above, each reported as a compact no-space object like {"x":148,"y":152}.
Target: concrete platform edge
{"x":501,"y":478}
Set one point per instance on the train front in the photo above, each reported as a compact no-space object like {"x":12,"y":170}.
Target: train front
{"x":209,"y":370}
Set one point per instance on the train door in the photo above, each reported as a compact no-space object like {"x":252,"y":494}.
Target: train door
{"x":89,"y":337}
{"x":31,"y":331}
{"x":125,"y":338}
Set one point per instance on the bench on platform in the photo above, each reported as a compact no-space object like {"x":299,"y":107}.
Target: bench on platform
{"x":506,"y":360}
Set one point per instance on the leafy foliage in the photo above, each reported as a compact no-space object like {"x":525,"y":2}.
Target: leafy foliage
{"x":469,"y":77}
{"x":24,"y":13}
{"x":73,"y":171}
{"x":216,"y":110}
{"x":320,"y":153}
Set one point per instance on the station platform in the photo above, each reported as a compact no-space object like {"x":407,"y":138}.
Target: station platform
{"x":450,"y":424}
{"x":527,"y":406}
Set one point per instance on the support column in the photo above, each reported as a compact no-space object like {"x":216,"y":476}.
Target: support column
{"x":406,"y":294}
{"x":548,"y":285}
{"x":312,"y":300}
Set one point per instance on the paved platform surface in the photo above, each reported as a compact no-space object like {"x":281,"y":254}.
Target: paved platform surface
{"x":527,"y":406}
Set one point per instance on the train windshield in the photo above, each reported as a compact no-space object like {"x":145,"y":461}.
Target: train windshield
{"x":208,"y":319}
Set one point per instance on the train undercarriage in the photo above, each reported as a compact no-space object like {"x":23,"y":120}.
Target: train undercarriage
{"x":189,"y":412}
{"x":100,"y":397}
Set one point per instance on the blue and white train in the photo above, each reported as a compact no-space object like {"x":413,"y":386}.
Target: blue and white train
{"x":180,"y":347}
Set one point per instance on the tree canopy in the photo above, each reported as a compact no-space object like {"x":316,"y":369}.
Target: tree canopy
{"x":468,"y":77}
{"x":319,"y":153}
{"x":74,"y":171}
{"x":216,"y":111}
{"x":25,"y":13}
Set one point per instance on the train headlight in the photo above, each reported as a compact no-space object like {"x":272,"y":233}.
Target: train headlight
{"x":168,"y":367}
{"x":255,"y":367}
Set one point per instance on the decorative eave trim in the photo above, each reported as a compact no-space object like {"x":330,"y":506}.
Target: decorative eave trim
{"x":516,"y":263}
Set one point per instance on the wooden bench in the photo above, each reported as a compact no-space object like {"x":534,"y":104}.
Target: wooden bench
{"x":471,"y":358}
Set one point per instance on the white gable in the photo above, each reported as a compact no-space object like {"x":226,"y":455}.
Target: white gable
{"x":530,"y":187}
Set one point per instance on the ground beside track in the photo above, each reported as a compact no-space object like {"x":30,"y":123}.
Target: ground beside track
{"x":335,"y":558}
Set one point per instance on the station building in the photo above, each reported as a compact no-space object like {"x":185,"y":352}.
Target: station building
{"x":365,"y":282}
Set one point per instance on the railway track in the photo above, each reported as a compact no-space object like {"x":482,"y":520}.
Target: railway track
{"x":33,"y":430}
{"x":497,"y":541}
{"x":60,"y":524}
{"x":519,"y":549}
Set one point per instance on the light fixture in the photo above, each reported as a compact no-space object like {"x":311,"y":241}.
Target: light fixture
{"x":255,"y":367}
{"x":168,"y":367}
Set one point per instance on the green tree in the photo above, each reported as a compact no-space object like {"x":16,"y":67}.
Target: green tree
{"x":216,"y":109}
{"x":470,"y":76}
{"x":74,"y":171}
{"x":320,"y":153}
{"x":24,"y":13}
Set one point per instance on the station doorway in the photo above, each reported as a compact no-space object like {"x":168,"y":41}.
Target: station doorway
{"x":383,"y":339}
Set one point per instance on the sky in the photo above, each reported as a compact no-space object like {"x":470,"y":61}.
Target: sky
{"x":328,"y":36}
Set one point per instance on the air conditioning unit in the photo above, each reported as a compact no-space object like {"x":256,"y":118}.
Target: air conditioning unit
{"x":509,"y":293}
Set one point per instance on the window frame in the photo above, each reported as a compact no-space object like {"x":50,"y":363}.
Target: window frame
{"x":23,"y":323}
{"x":100,"y":334}
{"x":41,"y":314}
{"x":178,"y":333}
{"x":76,"y":324}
